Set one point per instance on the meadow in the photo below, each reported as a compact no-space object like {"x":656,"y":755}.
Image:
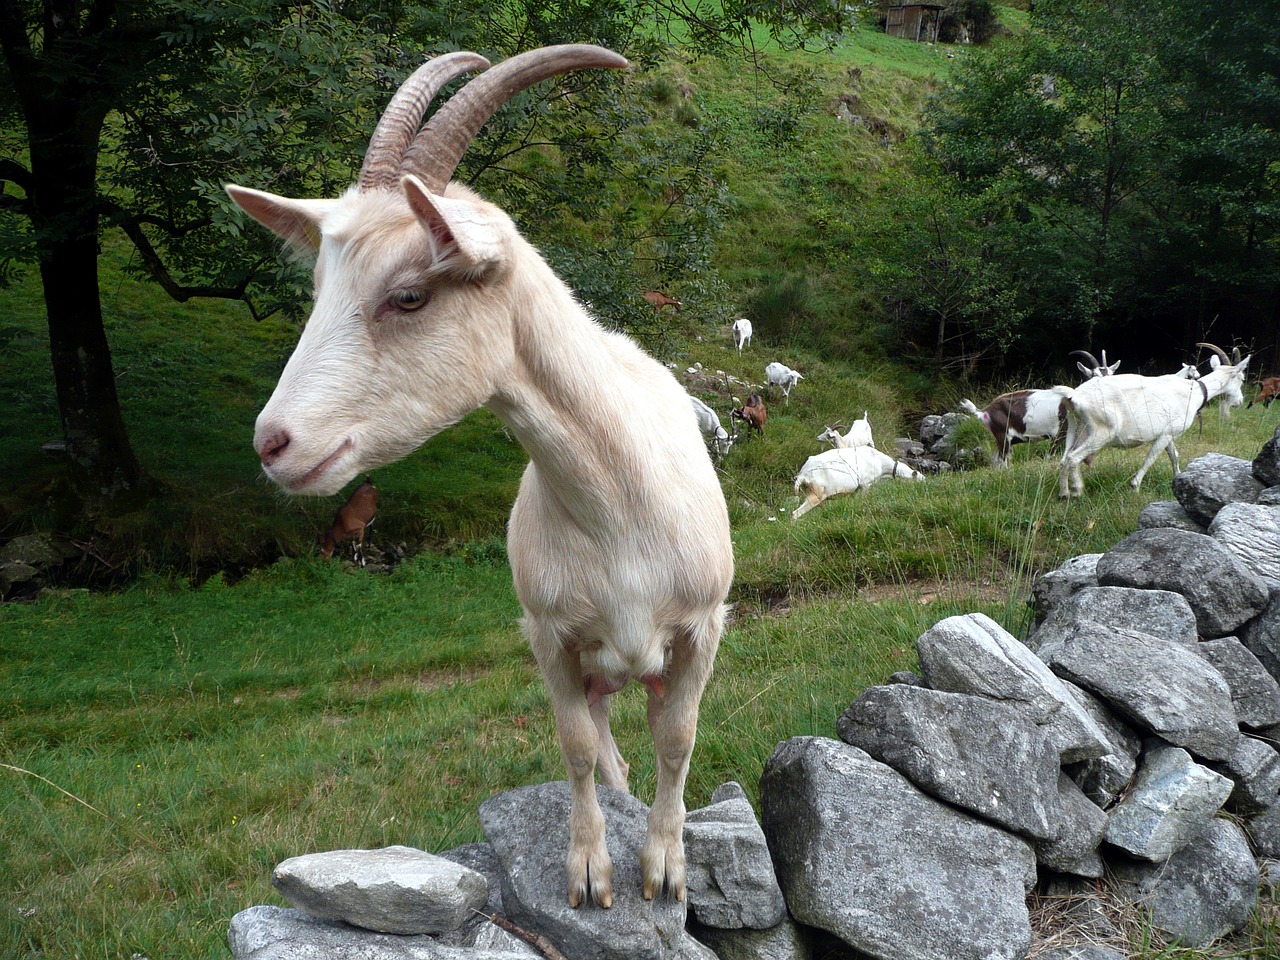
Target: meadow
{"x":224,"y":699}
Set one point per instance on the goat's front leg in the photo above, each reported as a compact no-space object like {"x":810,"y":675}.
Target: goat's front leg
{"x":590,"y":871}
{"x":673,"y":721}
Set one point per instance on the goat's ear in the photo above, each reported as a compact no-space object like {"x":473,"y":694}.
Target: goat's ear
{"x":296,"y":221}
{"x":461,"y":230}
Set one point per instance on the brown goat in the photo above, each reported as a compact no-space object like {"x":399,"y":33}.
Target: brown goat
{"x":1270,"y":390}
{"x":351,"y":521}
{"x":660,"y":300}
{"x":752,"y":413}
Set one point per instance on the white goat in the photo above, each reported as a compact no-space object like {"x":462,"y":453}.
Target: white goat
{"x":1095,"y":368}
{"x":429,"y":304}
{"x":780,"y":375}
{"x":741,"y":333}
{"x":1128,"y":410}
{"x":859,"y":435}
{"x":712,"y":429}
{"x":844,"y":470}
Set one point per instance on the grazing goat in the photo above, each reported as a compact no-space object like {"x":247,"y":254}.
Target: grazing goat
{"x":714,"y":432}
{"x":1270,"y":389}
{"x":752,"y":413}
{"x":351,"y":521}
{"x":1095,"y":368}
{"x":660,"y":300}
{"x":859,"y":435}
{"x":741,"y":333}
{"x":780,"y":375}
{"x":1128,"y":410}
{"x":428,"y":304}
{"x":1020,"y":417}
{"x":844,"y":470}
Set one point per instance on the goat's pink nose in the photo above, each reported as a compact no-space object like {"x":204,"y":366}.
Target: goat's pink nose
{"x":271,"y":446}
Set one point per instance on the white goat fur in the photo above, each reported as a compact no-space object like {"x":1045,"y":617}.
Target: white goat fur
{"x":780,"y":375}
{"x":429,"y":306}
{"x":844,"y":470}
{"x":859,"y":434}
{"x":741,"y":333}
{"x":712,"y":429}
{"x":1128,"y":410}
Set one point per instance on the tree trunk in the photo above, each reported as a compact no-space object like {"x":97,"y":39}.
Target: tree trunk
{"x":63,"y":200}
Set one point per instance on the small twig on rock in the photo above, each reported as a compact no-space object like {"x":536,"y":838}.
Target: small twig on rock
{"x":535,"y":940}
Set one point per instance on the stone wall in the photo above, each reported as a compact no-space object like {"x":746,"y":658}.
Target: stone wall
{"x":1128,"y":744}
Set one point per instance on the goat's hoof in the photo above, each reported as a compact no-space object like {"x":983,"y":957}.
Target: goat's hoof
{"x":591,"y":879}
{"x":663,"y":869}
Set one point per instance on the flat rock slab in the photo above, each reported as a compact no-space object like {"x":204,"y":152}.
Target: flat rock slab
{"x":974,"y":654}
{"x":1161,"y":613}
{"x":529,"y":830}
{"x":1057,"y":585}
{"x":281,"y":933}
{"x":1168,"y":513}
{"x":1255,"y":693}
{"x":1221,"y":591}
{"x":391,"y":890}
{"x":1159,"y":686}
{"x":864,"y":855}
{"x":928,"y":736}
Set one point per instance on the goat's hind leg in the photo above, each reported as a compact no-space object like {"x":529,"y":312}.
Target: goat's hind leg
{"x":673,"y":721}
{"x":589,"y":869}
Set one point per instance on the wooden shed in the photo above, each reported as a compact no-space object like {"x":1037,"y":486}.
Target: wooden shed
{"x":914,"y":21}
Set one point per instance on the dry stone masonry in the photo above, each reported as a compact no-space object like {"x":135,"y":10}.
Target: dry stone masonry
{"x":1128,"y":742}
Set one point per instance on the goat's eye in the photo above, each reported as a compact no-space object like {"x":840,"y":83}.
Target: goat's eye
{"x":409,"y":300}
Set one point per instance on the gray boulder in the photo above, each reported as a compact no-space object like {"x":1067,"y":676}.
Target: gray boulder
{"x":529,"y":830}
{"x":1211,"y":482}
{"x":1252,"y":533}
{"x":1161,"y":613}
{"x":1264,"y":831}
{"x":1269,"y":497}
{"x":864,"y":855}
{"x":1159,"y":686}
{"x":1168,"y":513}
{"x":1266,"y":465}
{"x":1203,"y":892}
{"x":1262,"y":634}
{"x":1057,"y":585}
{"x":928,"y":736}
{"x":731,"y":882}
{"x":280,"y":933}
{"x":1221,"y":591}
{"x":974,"y":654}
{"x":392,"y":890}
{"x":1104,"y":778}
{"x":1255,"y":693}
{"x":1075,"y":849}
{"x":1254,"y":770}
{"x":785,"y":941}
{"x":1170,"y":803}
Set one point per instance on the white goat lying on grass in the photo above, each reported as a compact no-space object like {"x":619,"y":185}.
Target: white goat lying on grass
{"x":429,"y":304}
{"x":1127,"y":410}
{"x":844,"y":470}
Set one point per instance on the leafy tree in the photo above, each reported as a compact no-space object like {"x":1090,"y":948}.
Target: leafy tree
{"x":130,"y":114}
{"x":1122,"y":149}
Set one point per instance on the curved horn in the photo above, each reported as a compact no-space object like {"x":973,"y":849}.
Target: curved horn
{"x":1218,"y":350}
{"x":403,"y":116}
{"x":1235,"y":354}
{"x":1093,"y":361}
{"x":435,"y":153}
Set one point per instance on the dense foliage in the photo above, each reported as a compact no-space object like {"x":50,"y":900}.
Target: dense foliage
{"x":1115,"y":177}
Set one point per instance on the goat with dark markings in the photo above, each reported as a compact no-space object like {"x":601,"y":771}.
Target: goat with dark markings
{"x":752,"y":413}
{"x":351,"y":521}
{"x":1270,"y":389}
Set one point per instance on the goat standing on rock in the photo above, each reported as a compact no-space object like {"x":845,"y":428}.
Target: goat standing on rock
{"x":429,"y":304}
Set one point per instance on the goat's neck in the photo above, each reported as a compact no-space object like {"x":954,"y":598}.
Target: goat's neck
{"x":569,"y":391}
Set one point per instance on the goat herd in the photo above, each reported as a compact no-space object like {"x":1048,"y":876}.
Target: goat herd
{"x":1107,"y":410}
